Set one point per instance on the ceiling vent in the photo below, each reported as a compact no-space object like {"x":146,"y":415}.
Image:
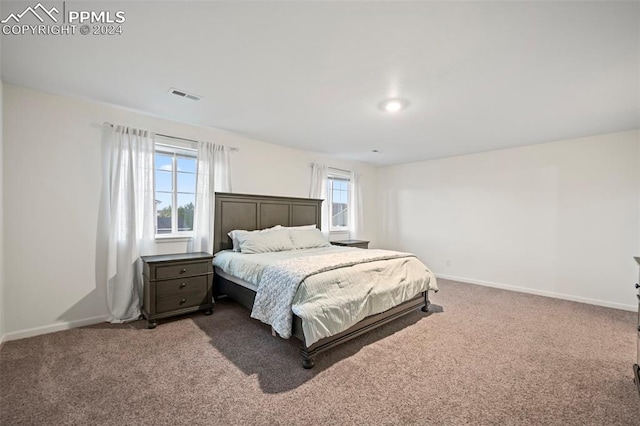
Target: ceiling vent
{"x":184,"y":94}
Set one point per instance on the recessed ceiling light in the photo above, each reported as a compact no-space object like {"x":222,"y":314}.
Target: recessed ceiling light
{"x":393,"y":105}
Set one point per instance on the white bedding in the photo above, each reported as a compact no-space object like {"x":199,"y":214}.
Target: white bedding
{"x":332,"y":301}
{"x":249,"y":267}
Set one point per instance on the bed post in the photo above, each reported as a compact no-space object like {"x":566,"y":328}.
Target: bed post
{"x":307,"y":361}
{"x":425,"y":308}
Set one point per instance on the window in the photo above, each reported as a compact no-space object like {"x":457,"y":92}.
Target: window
{"x":175,"y":189}
{"x":338,"y":187}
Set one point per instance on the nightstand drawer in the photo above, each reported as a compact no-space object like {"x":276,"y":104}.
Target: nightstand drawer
{"x":182,"y":286}
{"x":181,"y":269}
{"x":181,"y":301}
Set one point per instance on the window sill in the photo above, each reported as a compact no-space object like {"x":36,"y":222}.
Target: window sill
{"x":173,"y":238}
{"x":338,"y":235}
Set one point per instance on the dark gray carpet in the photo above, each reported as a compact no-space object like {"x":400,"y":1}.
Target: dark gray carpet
{"x":491,"y":357}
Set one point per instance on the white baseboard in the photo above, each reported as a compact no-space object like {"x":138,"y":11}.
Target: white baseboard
{"x":632,"y":308}
{"x":59,"y":326}
{"x":15,"y":335}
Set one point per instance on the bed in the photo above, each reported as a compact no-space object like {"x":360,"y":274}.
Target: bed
{"x":256,"y":212}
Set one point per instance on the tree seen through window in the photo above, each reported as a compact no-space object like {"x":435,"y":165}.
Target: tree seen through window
{"x":175,"y":187}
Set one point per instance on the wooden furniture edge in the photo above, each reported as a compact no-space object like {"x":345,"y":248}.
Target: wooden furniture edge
{"x":246,"y":297}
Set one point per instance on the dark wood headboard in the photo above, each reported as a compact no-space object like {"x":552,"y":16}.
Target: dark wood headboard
{"x":251,"y":212}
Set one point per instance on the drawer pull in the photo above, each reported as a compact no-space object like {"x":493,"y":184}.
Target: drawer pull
{"x":183,"y":270}
{"x":183,"y":285}
{"x":182,"y":301}
{"x":637,"y":285}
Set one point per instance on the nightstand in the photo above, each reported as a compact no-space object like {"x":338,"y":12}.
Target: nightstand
{"x":352,"y":243}
{"x":176,"y":284}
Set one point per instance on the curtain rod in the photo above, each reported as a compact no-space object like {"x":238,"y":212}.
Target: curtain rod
{"x":335,"y":168}
{"x":231,"y":148}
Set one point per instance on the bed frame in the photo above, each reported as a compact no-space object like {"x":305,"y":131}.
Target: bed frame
{"x":251,"y":212}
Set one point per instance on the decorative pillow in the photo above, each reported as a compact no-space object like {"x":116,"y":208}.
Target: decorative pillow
{"x":234,"y":238}
{"x":308,"y":238}
{"x":263,"y":242}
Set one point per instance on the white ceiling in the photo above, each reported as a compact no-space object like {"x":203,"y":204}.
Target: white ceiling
{"x":478,"y":75}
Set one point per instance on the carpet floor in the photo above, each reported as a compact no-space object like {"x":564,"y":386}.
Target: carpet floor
{"x":488,"y":357}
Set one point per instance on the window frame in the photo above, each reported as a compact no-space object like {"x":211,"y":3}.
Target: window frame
{"x":340,"y":175}
{"x":174,"y":150}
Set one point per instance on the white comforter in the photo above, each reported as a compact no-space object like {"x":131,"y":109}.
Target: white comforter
{"x":331,"y":301}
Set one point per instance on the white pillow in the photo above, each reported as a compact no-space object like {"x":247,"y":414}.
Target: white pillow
{"x":308,"y":238}
{"x":262,"y":242}
{"x":234,"y":238}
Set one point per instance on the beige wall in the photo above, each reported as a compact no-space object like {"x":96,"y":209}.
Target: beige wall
{"x":2,"y":299}
{"x":55,"y":275}
{"x":2,"y":304}
{"x":559,"y":219}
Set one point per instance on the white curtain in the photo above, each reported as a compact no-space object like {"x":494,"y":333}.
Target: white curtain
{"x":130,"y":217}
{"x":319,"y":191}
{"x":212,"y":175}
{"x":355,"y":206}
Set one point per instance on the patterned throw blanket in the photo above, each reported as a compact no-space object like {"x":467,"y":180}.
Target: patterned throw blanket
{"x":280,"y":282}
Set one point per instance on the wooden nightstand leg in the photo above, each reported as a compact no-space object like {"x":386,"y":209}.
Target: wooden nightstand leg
{"x":151,"y":324}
